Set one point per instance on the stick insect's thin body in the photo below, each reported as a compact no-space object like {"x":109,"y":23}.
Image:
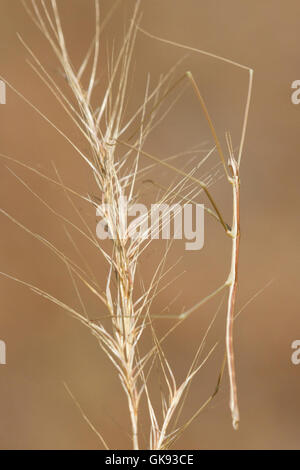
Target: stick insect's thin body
{"x":232,"y":285}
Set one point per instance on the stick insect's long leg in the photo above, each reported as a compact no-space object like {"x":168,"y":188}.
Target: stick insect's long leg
{"x":222,"y":59}
{"x":182,"y":173}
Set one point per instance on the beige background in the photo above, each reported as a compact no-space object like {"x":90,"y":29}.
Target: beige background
{"x":44,"y":346}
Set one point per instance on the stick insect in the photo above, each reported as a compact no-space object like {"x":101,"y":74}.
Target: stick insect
{"x":232,"y":173}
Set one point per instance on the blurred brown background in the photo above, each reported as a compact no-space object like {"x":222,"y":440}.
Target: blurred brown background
{"x":44,"y":346}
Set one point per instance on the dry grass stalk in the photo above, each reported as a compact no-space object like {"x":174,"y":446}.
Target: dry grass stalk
{"x":103,"y":128}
